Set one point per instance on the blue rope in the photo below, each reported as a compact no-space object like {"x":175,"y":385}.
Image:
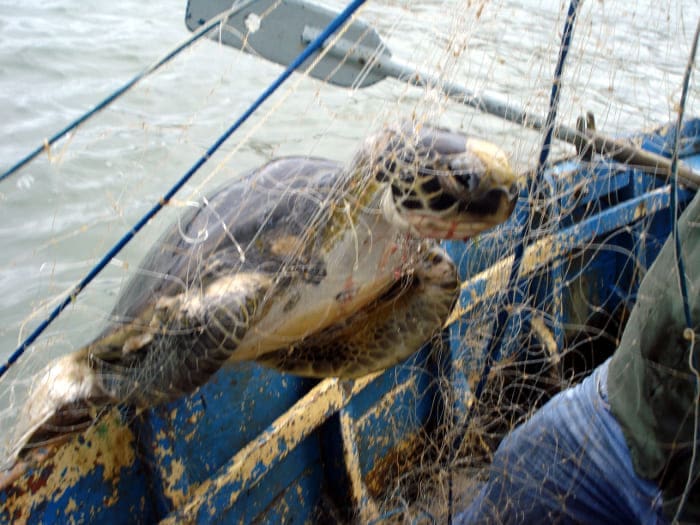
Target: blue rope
{"x":204,"y":30}
{"x":498,"y":331}
{"x":493,"y":345}
{"x":303,"y":56}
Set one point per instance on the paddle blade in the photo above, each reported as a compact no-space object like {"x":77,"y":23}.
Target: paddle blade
{"x":279,"y":30}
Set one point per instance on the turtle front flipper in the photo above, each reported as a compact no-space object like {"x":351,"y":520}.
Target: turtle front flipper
{"x":187,"y":339}
{"x":172,"y":349}
{"x":385,"y":333}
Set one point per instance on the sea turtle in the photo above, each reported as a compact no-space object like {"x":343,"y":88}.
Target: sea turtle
{"x":302,"y":265}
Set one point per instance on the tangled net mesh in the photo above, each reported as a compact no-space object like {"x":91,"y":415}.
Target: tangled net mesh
{"x":625,"y":66}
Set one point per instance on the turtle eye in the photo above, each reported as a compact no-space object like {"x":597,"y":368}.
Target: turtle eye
{"x":468,"y":180}
{"x":466,"y":170}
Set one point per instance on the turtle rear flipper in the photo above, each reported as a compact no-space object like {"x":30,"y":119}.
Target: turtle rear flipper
{"x":383,"y":334}
{"x":171,"y":350}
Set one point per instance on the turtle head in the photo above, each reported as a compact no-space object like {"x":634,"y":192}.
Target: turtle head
{"x":442,"y":184}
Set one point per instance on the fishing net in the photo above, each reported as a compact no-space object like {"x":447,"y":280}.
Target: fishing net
{"x":512,"y":343}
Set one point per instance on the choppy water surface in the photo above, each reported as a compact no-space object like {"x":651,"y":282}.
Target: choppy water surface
{"x":58,"y":58}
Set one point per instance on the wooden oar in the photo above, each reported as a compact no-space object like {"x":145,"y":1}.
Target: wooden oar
{"x":278,"y":30}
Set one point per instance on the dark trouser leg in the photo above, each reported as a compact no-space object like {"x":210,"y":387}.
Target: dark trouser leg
{"x":568,"y":464}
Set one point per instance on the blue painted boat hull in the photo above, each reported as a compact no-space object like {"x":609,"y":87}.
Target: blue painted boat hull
{"x":256,"y":445}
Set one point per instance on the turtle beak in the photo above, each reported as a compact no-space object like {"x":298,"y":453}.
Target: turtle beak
{"x":496,"y":192}
{"x":498,"y":174}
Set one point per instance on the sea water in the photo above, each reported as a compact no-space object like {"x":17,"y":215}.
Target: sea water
{"x":58,"y":58}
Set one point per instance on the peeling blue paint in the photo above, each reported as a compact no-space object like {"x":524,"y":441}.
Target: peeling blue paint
{"x":181,"y":446}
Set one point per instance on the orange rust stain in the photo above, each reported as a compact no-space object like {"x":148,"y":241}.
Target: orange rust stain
{"x":39,"y":480}
{"x":47,"y":476}
{"x":400,"y":460}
